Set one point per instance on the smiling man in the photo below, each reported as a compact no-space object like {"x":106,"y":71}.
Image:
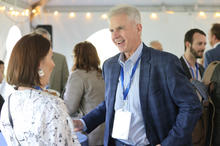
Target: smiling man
{"x":194,"y":42}
{"x":148,"y":99}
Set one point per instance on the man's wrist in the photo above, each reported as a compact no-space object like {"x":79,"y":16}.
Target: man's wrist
{"x":84,"y":125}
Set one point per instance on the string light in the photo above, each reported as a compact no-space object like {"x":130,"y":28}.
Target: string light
{"x":88,"y":15}
{"x":104,"y":16}
{"x":17,"y":13}
{"x":202,"y":14}
{"x":217,"y":15}
{"x":56,"y":13}
{"x":37,"y":10}
{"x":34,"y":11}
{"x":23,"y":13}
{"x":72,"y":14}
{"x":154,"y":16}
{"x":12,"y":13}
{"x":2,"y":8}
{"x":170,"y":12}
{"x":27,"y":12}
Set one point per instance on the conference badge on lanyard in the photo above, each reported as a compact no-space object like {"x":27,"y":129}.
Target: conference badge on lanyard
{"x":122,"y":118}
{"x":121,"y":124}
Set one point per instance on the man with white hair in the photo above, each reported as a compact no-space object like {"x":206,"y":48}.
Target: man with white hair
{"x":148,"y":99}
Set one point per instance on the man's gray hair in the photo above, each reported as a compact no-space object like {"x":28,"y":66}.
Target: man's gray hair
{"x":132,"y":12}
{"x":42,"y":31}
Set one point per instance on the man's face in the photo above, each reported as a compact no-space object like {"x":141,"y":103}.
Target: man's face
{"x":211,"y":39}
{"x":126,"y":34}
{"x":197,"y":47}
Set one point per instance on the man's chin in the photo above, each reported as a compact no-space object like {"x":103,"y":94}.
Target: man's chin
{"x":122,"y":50}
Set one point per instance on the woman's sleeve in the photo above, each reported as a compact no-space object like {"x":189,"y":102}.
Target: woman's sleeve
{"x":74,"y":92}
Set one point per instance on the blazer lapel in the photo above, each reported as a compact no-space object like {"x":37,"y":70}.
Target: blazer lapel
{"x":115,"y":71}
{"x":185,"y":68}
{"x":144,"y":80}
{"x":114,"y":82}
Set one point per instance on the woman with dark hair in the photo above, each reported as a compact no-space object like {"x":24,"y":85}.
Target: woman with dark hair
{"x":30,"y":115}
{"x":85,"y":87}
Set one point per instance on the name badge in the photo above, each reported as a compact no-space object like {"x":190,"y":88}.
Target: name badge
{"x":121,"y":124}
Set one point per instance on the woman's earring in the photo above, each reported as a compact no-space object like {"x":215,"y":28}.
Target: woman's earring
{"x":41,"y":72}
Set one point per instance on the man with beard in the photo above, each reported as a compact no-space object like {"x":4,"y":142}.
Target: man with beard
{"x":194,"y":42}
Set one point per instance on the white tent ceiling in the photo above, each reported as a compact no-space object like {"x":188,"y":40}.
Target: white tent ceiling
{"x":133,"y":2}
{"x":103,"y":5}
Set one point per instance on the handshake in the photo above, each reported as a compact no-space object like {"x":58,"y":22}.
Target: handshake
{"x":78,"y":125}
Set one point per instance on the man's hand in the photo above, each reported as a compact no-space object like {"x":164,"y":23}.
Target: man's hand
{"x":78,"y":125}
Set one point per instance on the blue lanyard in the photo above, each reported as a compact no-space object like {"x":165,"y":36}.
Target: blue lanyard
{"x":125,"y":91}
{"x":197,"y":71}
{"x":37,"y":88}
{"x":191,"y":69}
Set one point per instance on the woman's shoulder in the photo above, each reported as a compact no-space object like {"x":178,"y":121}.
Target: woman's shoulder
{"x":38,"y":98}
{"x":49,"y":99}
{"x":80,"y":74}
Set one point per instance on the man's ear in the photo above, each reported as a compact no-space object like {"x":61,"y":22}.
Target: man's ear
{"x":139,"y":27}
{"x":188,"y":44}
{"x":214,"y":37}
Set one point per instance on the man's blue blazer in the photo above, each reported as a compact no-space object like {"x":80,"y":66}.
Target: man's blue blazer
{"x":170,"y":106}
{"x":212,"y":55}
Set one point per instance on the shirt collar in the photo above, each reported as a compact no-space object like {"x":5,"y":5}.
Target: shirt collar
{"x":133,"y":57}
{"x":216,"y":44}
{"x":187,"y":63}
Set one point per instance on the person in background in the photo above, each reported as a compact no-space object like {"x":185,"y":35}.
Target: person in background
{"x":2,"y":68}
{"x":201,"y":61}
{"x":2,"y":100}
{"x":85,"y":87}
{"x":194,"y":43}
{"x":214,"y":40}
{"x":148,"y":99}
{"x":31,"y":115}
{"x":5,"y":88}
{"x":60,"y":73}
{"x":156,"y":45}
